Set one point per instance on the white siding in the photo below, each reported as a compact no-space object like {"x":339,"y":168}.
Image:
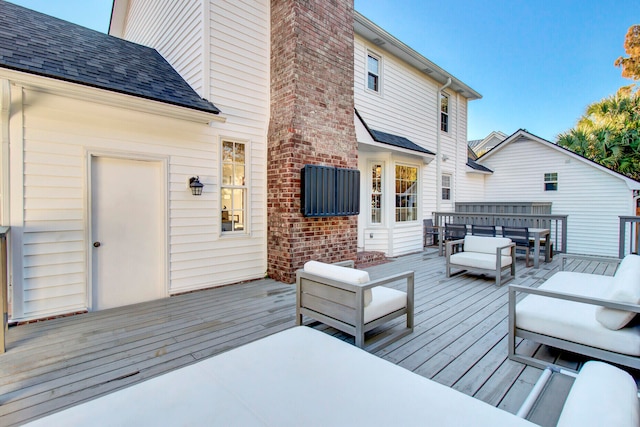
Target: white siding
{"x":58,"y":134}
{"x":222,"y":49}
{"x":406,"y":106}
{"x":173,"y":28}
{"x":591,"y":198}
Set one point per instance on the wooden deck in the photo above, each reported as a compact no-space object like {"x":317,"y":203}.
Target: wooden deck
{"x":459,"y":339}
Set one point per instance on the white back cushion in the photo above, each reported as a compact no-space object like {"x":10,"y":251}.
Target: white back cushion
{"x":625,"y":288}
{"x":341,"y":274}
{"x":485,"y":244}
{"x":602,"y":395}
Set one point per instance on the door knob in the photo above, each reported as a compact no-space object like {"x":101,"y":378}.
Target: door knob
{"x":96,"y":244}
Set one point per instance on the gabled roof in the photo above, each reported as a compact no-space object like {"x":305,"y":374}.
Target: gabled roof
{"x":39,"y":44}
{"x":524,"y":134}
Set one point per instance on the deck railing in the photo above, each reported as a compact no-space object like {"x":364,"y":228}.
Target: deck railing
{"x":556,"y":223}
{"x":4,"y":231}
{"x":629,"y":235}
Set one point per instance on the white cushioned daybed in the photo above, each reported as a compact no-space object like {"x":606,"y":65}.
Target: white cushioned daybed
{"x":304,"y":377}
{"x":482,"y":253}
{"x":345,"y":298}
{"x":584,"y":313}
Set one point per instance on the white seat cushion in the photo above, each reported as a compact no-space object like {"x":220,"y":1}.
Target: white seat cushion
{"x":479,"y":260}
{"x":385,"y":300}
{"x":485,"y":244}
{"x":602,"y":395}
{"x":341,"y":274}
{"x":625,"y":288}
{"x":574,"y":321}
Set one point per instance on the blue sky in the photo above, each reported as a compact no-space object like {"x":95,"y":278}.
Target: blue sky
{"x":537,"y":63}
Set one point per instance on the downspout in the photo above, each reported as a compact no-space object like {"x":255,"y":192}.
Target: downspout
{"x":5,"y":110}
{"x":438,"y":153}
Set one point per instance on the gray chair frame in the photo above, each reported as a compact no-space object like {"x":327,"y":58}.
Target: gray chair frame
{"x":598,"y":353}
{"x":429,"y":231}
{"x":497,"y":270}
{"x":519,"y":236}
{"x":341,"y":305}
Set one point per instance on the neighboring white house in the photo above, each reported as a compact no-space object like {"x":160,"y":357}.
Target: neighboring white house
{"x":481,"y":146}
{"x":528,"y":168}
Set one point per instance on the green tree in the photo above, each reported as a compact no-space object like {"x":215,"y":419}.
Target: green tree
{"x":609,"y":131}
{"x":609,"y":134}
{"x":631,"y":65}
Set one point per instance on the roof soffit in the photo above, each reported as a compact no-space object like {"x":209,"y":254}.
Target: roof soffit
{"x":379,"y":37}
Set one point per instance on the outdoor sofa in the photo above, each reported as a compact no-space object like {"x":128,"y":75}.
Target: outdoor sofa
{"x":584,"y":313}
{"x":481,"y":253}
{"x":345,"y":298}
{"x":305,"y":377}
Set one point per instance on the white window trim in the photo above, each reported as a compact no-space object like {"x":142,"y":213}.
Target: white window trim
{"x":418,"y":193}
{"x":448,"y":113}
{"x":377,"y":56}
{"x":450,"y":187}
{"x":247,"y":188}
{"x":383,"y":193}
{"x":545,"y":182}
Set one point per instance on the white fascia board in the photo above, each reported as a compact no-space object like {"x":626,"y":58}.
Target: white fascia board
{"x":107,"y":97}
{"x":370,"y":146}
{"x":118,"y":17}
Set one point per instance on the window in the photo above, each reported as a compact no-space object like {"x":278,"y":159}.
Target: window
{"x":376,"y":193}
{"x":233,"y":191}
{"x":444,"y":112}
{"x":406,"y":193}
{"x":551,"y":181}
{"x":373,"y":73}
{"x":446,"y":187}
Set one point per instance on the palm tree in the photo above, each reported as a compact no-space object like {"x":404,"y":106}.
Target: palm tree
{"x":609,"y":133}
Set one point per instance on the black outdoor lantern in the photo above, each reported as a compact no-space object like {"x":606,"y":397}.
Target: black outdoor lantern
{"x":195,"y":185}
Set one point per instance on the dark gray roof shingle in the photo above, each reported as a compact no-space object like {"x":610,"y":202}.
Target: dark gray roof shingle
{"x":40,"y":44}
{"x":397,"y":141}
{"x":476,"y":166}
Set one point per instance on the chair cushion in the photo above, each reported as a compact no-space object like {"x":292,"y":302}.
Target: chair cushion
{"x":602,"y":395}
{"x":479,"y":260}
{"x":625,"y":288}
{"x":572,"y":321}
{"x":385,"y":300}
{"x":341,"y":274}
{"x":485,"y":244}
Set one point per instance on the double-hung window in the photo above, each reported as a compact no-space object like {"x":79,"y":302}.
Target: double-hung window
{"x":373,"y":72}
{"x":551,"y":181}
{"x":406,"y":193}
{"x":446,"y":187}
{"x":444,"y":112}
{"x":233,"y":201}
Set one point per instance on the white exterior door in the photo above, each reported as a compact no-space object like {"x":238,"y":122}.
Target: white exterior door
{"x":127,"y":231}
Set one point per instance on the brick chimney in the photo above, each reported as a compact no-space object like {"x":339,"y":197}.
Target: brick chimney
{"x":312,"y":112}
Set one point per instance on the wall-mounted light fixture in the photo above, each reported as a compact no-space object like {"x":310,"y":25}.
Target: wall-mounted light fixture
{"x":195,"y":185}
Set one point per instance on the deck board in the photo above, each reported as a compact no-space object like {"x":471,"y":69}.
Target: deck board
{"x":459,"y":338}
